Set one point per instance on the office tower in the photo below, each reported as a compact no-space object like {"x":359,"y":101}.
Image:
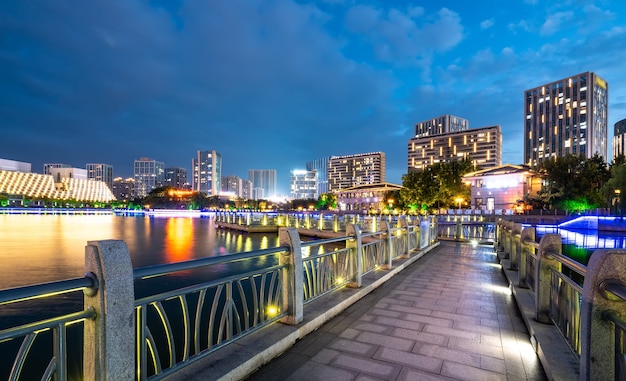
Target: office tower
{"x":619,"y":138}
{"x":264,"y":179}
{"x":124,"y":189}
{"x":176,"y":177}
{"x":568,"y":116}
{"x":149,"y":174}
{"x":352,"y":170}
{"x":482,"y":145}
{"x":321,"y":166}
{"x":303,"y":184}
{"x":101,"y":172}
{"x":236,"y":185}
{"x":441,"y":125}
{"x":48,"y":166}
{"x":207,"y":172}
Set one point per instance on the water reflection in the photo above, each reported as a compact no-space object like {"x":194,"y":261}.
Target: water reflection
{"x":178,"y":239}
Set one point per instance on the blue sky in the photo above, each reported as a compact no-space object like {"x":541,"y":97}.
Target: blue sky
{"x":274,"y":84}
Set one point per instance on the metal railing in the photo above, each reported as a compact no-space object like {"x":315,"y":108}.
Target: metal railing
{"x":579,"y":300}
{"x":467,"y":228}
{"x":173,"y":328}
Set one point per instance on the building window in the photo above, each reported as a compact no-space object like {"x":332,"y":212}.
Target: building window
{"x":491,"y":203}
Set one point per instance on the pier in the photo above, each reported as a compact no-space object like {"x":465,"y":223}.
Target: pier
{"x":401,"y":305}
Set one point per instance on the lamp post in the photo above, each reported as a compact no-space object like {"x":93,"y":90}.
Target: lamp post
{"x":459,"y":200}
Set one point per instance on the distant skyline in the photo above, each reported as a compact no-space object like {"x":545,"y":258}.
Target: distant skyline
{"x":274,"y":84}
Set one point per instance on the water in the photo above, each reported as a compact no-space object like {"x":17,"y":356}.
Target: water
{"x":44,"y":248}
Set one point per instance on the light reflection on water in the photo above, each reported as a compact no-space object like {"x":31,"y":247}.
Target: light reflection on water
{"x":44,"y":248}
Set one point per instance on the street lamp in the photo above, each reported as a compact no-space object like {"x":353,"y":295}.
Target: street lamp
{"x":459,"y":200}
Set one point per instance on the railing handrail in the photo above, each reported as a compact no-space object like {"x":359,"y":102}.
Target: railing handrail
{"x":168,"y":268}
{"x":318,"y":242}
{"x":19,"y":294}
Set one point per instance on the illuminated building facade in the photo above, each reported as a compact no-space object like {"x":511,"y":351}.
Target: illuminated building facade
{"x":101,"y":172}
{"x":619,"y":139}
{"x":303,"y":184}
{"x":352,"y":170}
{"x":37,"y":186}
{"x":207,"y":172}
{"x":482,"y":145}
{"x":568,"y":116}
{"x":264,"y":179}
{"x":149,"y":174}
{"x":321,"y":166}
{"x":502,"y":188}
{"x":369,"y":198}
{"x":124,"y":189}
{"x":444,"y":124}
{"x":176,"y":177}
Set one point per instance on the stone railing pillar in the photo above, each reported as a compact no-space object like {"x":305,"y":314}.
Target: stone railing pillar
{"x":386,"y":228}
{"x":550,"y":243}
{"x":458,"y":232}
{"x":526,"y":248}
{"x":597,"y":358}
{"x":356,"y":251}
{"x":516,"y":233}
{"x":293,"y":293}
{"x":405,"y":226}
{"x":109,"y":347}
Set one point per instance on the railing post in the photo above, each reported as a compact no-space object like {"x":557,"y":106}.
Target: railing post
{"x":597,"y":358}
{"x":417,"y":228}
{"x":356,"y":246}
{"x":108,"y":348}
{"x":516,"y":233}
{"x":405,"y":226}
{"x":528,"y":236}
{"x":459,"y":228}
{"x":386,"y":227}
{"x":335,"y":223}
{"x":550,"y":243}
{"x":293,"y":291}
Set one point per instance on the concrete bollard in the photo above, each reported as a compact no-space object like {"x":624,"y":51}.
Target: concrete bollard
{"x":516,"y":233}
{"x":109,"y":347}
{"x":293,"y":293}
{"x":597,"y":358}
{"x":550,"y":243}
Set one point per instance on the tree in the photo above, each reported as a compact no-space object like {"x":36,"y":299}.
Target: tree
{"x":327,"y":201}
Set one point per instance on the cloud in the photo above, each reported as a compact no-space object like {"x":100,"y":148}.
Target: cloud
{"x":486,"y":24}
{"x":555,"y":22}
{"x":404,"y":37}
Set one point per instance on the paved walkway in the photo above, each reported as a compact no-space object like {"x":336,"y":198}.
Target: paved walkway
{"x":449,"y":316}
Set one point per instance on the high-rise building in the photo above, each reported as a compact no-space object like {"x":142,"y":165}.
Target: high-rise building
{"x":303,"y":184}
{"x":619,"y":138}
{"x":352,"y":170}
{"x":48,"y":166}
{"x":568,"y":116}
{"x":17,"y":166}
{"x":441,"y":125}
{"x":124,"y":189}
{"x":264,"y":179}
{"x":207,"y":172}
{"x":236,"y":185}
{"x":101,"y":172}
{"x":321,"y":166}
{"x":176,"y":177}
{"x":149,"y":174}
{"x":482,"y":145}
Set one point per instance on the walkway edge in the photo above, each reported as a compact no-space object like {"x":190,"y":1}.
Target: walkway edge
{"x":557,"y":358}
{"x":238,"y":360}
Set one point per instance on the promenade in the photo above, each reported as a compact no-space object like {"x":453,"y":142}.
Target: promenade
{"x":448,"y":316}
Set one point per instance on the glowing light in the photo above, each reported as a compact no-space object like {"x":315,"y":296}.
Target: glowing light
{"x":474,"y":243}
{"x":340,"y":280}
{"x":272,"y":311}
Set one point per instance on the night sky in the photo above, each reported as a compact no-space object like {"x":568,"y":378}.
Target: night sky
{"x":274,"y":84}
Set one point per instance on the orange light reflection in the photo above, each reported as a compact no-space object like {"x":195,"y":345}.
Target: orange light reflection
{"x":178,"y":239}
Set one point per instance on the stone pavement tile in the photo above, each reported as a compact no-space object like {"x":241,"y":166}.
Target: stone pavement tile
{"x":476,"y":347}
{"x":386,"y":312}
{"x":282,"y":367}
{"x":493,"y":364}
{"x":456,"y":318}
{"x":494,"y":340}
{"x":386,"y":341}
{"x":350,"y":333}
{"x":409,"y":374}
{"x":444,"y":353}
{"x":413,"y":360}
{"x":312,"y":371}
{"x":376,"y":328}
{"x":445,"y":331}
{"x":469,"y":373}
{"x":355,"y":347}
{"x":489,"y":322}
{"x":421,"y":336}
{"x":428,"y":320}
{"x":366,"y":377}
{"x":314,"y":344}
{"x":476,"y":312}
{"x":382,"y":369}
{"x":399,"y":323}
{"x":476,"y":327}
